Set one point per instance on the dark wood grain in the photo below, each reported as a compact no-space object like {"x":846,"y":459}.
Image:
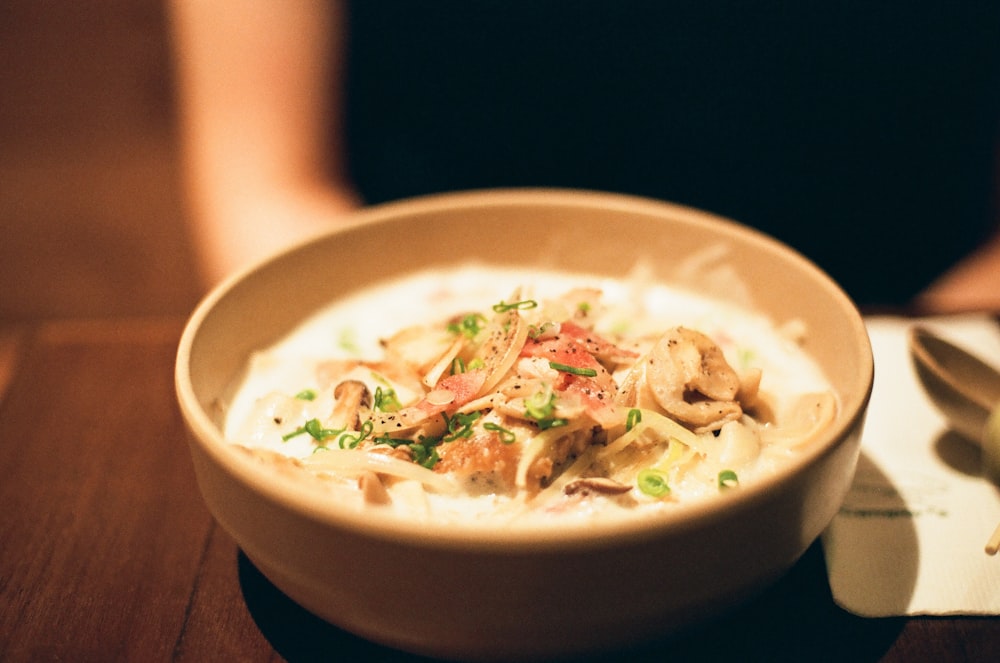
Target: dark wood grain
{"x":102,"y":527}
{"x":107,"y":552}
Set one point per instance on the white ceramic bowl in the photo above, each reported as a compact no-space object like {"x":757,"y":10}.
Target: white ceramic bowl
{"x":497,"y":594}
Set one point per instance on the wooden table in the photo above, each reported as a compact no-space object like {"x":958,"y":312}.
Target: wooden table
{"x":107,"y":552}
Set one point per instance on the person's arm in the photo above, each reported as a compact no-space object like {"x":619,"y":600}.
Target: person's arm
{"x":258,"y":85}
{"x":972,"y":285}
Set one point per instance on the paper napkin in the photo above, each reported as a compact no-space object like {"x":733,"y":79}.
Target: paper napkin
{"x":910,"y":537}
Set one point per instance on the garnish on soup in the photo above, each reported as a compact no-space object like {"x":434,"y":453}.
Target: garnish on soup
{"x":575,"y":405}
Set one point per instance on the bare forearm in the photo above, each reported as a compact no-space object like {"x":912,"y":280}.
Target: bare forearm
{"x":258,"y":84}
{"x":972,"y":285}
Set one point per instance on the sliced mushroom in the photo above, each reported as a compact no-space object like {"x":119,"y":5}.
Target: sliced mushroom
{"x":506,"y":334}
{"x":599,"y":485}
{"x":350,"y":396}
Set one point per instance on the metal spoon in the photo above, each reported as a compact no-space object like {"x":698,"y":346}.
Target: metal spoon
{"x":967,"y":392}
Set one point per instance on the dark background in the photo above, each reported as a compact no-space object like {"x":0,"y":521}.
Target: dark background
{"x":92,"y":217}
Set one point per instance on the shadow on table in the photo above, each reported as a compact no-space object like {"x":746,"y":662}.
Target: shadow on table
{"x":872,"y":546}
{"x":796,"y":619}
{"x":959,"y":454}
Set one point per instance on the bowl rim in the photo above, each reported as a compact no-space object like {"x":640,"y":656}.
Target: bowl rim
{"x":301,"y":497}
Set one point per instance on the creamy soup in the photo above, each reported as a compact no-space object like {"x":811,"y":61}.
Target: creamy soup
{"x":484,"y":395}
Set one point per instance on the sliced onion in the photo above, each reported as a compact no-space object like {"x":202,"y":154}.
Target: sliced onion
{"x":441,"y":365}
{"x":657,"y":425}
{"x":354,"y":462}
{"x":507,"y":335}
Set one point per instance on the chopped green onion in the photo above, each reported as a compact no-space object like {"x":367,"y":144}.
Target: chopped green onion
{"x":506,"y":436}
{"x":348,"y":341}
{"x":385,"y":400}
{"x":522,"y":305}
{"x":460,"y":425}
{"x":349,"y":441}
{"x":540,"y":406}
{"x":634,"y":417}
{"x":586,"y":372}
{"x":653,"y":483}
{"x":536,"y":331}
{"x":728,"y":479}
{"x":458,"y":365}
{"x":306,"y":395}
{"x":390,"y":441}
{"x":745,"y":358}
{"x":425,"y":453}
{"x":469,"y":325}
{"x":584,"y":307}
{"x":315,"y":430}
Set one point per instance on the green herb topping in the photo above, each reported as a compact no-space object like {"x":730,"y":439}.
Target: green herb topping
{"x":634,"y":417}
{"x":385,"y":400}
{"x":541,"y":407}
{"x":460,"y":425}
{"x":458,"y":365}
{"x":522,"y":305}
{"x":423,"y":451}
{"x":728,"y":479}
{"x":653,"y":483}
{"x":537,"y":331}
{"x":315,"y":430}
{"x":575,"y":370}
{"x":351,"y":441}
{"x":348,"y":341}
{"x":506,"y":436}
{"x":469,"y":325}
